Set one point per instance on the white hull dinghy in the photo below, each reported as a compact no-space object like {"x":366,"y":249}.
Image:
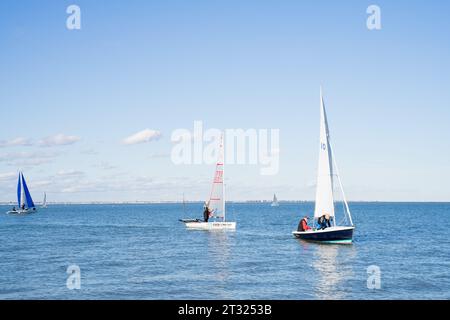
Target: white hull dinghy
{"x":216,"y":204}
{"x":325,"y":201}
{"x":213,"y":225}
{"x":24,"y":200}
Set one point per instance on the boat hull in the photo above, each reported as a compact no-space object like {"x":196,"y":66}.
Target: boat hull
{"x":336,"y":235}
{"x":190,"y":220}
{"x":21,"y":212}
{"x":211,"y":225}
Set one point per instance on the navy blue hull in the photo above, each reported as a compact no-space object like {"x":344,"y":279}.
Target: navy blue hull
{"x":331,"y":236}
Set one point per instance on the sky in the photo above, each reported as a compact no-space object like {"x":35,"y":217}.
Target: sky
{"x":88,"y":114}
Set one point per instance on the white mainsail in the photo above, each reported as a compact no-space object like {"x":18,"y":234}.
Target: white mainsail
{"x":324,"y":188}
{"x":22,"y":194}
{"x":216,"y":201}
{"x":44,"y":203}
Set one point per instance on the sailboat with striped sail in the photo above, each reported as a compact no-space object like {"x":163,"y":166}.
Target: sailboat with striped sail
{"x":325,"y":198}
{"x":24,"y":200}
{"x":215,"y":207}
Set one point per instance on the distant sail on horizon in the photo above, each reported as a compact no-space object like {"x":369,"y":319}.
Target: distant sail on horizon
{"x":44,"y":202}
{"x":275,"y":201}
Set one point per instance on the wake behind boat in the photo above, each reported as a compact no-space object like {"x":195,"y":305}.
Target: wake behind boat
{"x":24,"y":200}
{"x":215,"y":207}
{"x":326,"y":230}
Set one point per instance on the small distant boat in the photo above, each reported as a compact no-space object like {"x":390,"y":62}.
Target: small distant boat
{"x":216,"y":203}
{"x":274,"y":201}
{"x":24,"y":200}
{"x":324,"y":193}
{"x":44,"y":202}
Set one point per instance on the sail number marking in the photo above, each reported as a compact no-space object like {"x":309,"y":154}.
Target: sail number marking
{"x":236,"y":309}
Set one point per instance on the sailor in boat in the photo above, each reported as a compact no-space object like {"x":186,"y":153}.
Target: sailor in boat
{"x":303,"y":225}
{"x":206,"y":212}
{"x":324,"y":222}
{"x":14,"y":209}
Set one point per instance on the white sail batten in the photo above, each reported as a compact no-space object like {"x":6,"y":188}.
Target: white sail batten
{"x":324,"y":190}
{"x":216,"y":201}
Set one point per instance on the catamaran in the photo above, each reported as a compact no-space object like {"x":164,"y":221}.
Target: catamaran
{"x":325,"y":201}
{"x":44,"y":202}
{"x":24,"y":200}
{"x":215,"y":206}
{"x":274,"y":201}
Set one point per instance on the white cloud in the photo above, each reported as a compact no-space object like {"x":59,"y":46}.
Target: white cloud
{"x":58,"y":140}
{"x":70,"y":173}
{"x":89,"y":152}
{"x":143,"y":136}
{"x":8,"y":176}
{"x":27,"y":159}
{"x":105,"y":166}
{"x":159,"y":155}
{"x":20,"y":141}
{"x":44,"y":183}
{"x":32,"y":162}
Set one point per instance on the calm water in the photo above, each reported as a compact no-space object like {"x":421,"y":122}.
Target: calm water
{"x":143,"y":252}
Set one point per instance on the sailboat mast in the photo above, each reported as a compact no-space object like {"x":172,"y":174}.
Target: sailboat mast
{"x":223,"y":178}
{"x":22,"y":195}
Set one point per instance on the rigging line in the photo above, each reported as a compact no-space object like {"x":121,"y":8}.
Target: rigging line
{"x":340,"y":184}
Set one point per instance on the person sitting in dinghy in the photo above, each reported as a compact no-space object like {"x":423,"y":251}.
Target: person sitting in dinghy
{"x":303,"y":225}
{"x":324,"y":222}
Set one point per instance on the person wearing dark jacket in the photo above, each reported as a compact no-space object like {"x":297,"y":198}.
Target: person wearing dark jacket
{"x":324,"y":222}
{"x":206,"y":213}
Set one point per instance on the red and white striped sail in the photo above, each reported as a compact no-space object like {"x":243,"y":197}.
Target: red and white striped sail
{"x":216,"y":201}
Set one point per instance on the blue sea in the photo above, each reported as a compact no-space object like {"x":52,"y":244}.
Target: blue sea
{"x":144,"y":252}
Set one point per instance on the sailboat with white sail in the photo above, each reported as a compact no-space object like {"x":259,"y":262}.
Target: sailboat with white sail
{"x":325,"y":199}
{"x":44,"y":202}
{"x":24,"y":200}
{"x":274,"y":201}
{"x":214,"y":208}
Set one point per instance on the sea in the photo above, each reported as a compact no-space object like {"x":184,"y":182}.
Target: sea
{"x":142,"y":251}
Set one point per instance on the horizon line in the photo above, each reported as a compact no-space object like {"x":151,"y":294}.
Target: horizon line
{"x":202,"y":201}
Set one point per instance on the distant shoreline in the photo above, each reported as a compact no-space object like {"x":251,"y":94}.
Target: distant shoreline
{"x":201,"y":201}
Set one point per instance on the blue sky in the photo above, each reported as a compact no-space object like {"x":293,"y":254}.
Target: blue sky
{"x":161,"y":65}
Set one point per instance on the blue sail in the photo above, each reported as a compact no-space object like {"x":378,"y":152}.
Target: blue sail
{"x":19,"y":190}
{"x":28,"y":201}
